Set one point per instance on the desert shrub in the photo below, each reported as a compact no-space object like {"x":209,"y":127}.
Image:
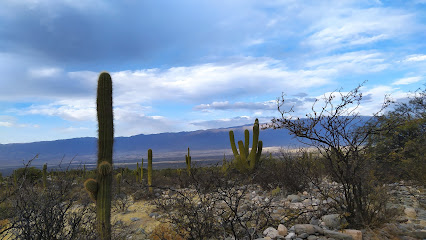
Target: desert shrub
{"x":52,"y":213}
{"x":31,"y":174}
{"x":165,"y":231}
{"x":340,"y":135}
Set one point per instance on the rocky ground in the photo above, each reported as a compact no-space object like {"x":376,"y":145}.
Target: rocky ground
{"x":315,"y":222}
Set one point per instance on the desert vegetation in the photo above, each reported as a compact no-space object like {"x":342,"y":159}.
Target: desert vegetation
{"x":356,"y":177}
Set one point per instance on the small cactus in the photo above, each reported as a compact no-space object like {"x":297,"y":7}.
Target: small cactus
{"x":137,"y":172}
{"x":44,"y":176}
{"x":118,"y":177}
{"x":150,"y":170}
{"x":188,"y":163}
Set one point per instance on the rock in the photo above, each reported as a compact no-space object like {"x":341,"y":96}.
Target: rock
{"x":303,"y":235}
{"x":293,"y":198}
{"x":134,"y":219}
{"x":337,"y":235}
{"x":312,"y":237}
{"x":307,"y":228}
{"x":153,"y":215}
{"x":418,"y":234}
{"x":356,"y":234}
{"x":333,"y":221}
{"x":271,"y":232}
{"x":290,"y":235}
{"x":282,"y":230}
{"x":410,"y":212}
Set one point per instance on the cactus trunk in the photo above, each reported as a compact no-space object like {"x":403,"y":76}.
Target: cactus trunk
{"x":150,"y":170}
{"x":100,"y":189}
{"x":188,"y":163}
{"x":45,"y":175}
{"x":141,"y":174}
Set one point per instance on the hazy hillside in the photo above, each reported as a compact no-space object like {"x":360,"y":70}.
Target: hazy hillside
{"x":134,"y":147}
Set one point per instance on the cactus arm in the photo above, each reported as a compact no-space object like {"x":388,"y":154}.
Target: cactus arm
{"x":233,"y":146}
{"x":242,"y":158}
{"x":255,"y":140}
{"x":188,"y":163}
{"x":255,"y":161}
{"x":247,"y":142}
{"x":150,"y":170}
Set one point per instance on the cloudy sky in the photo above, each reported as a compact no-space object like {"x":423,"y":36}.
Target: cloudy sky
{"x":194,"y":64}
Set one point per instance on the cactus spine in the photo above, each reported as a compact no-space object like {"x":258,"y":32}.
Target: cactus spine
{"x":100,"y":189}
{"x":45,"y":175}
{"x":188,"y":163}
{"x":150,"y":170}
{"x":247,"y":160}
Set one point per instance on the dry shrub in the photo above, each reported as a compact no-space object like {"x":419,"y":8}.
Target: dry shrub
{"x":165,"y":231}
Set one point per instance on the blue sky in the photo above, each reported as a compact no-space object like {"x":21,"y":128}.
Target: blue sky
{"x":190,"y":64}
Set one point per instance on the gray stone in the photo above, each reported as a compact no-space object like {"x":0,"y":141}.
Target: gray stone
{"x":333,"y":221}
{"x":356,"y":234}
{"x":293,"y":198}
{"x":303,"y":236}
{"x":153,"y":215}
{"x":134,"y":219}
{"x":271,"y":232}
{"x":418,"y":234}
{"x":291,"y":235}
{"x":312,"y":237}
{"x":337,"y":235}
{"x":307,"y":228}
{"x":410,"y":212}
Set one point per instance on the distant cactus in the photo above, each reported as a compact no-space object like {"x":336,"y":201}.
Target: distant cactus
{"x":141,"y":174}
{"x":84,"y":171}
{"x":100,"y":189}
{"x":150,"y":170}
{"x":245,"y":160}
{"x":45,"y":175}
{"x":137,"y":172}
{"x":188,"y":163}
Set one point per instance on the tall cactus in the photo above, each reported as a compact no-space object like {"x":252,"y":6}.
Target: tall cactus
{"x":150,"y":170}
{"x":247,"y":160}
{"x":188,"y":163}
{"x":45,"y":175}
{"x":100,"y":189}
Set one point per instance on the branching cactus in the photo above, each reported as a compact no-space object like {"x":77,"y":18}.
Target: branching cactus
{"x":188,"y":163}
{"x":45,"y":175}
{"x":246,"y":160}
{"x":100,"y":189}
{"x":150,"y":170}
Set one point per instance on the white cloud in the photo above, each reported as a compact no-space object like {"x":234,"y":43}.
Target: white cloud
{"x":415,"y":58}
{"x":407,"y":80}
{"x":44,"y":72}
{"x":347,"y":27}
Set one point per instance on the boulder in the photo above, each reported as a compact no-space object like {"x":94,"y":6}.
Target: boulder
{"x":410,"y":212}
{"x":337,"y":235}
{"x":356,"y":234}
{"x":282,"y":230}
{"x":271,"y":232}
{"x":294,"y":198}
{"x":307,"y":228}
{"x":334,"y":221}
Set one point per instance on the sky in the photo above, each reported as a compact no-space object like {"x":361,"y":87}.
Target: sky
{"x":196,"y":64}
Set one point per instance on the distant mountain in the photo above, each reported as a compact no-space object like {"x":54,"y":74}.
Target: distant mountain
{"x":135,"y":147}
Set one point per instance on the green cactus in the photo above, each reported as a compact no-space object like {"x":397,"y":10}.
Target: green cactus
{"x":188,"y":163}
{"x":247,"y":160}
{"x":141,"y":174}
{"x":137,"y":172}
{"x":100,"y":189}
{"x":150,"y":170}
{"x":44,"y":176}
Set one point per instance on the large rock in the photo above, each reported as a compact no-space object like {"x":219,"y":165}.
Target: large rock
{"x":307,"y":228}
{"x":337,"y":235}
{"x":356,"y":234}
{"x":294,"y":198}
{"x":334,"y":221}
{"x":271,"y":232}
{"x":410,"y":212}
{"x":282,"y":230}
